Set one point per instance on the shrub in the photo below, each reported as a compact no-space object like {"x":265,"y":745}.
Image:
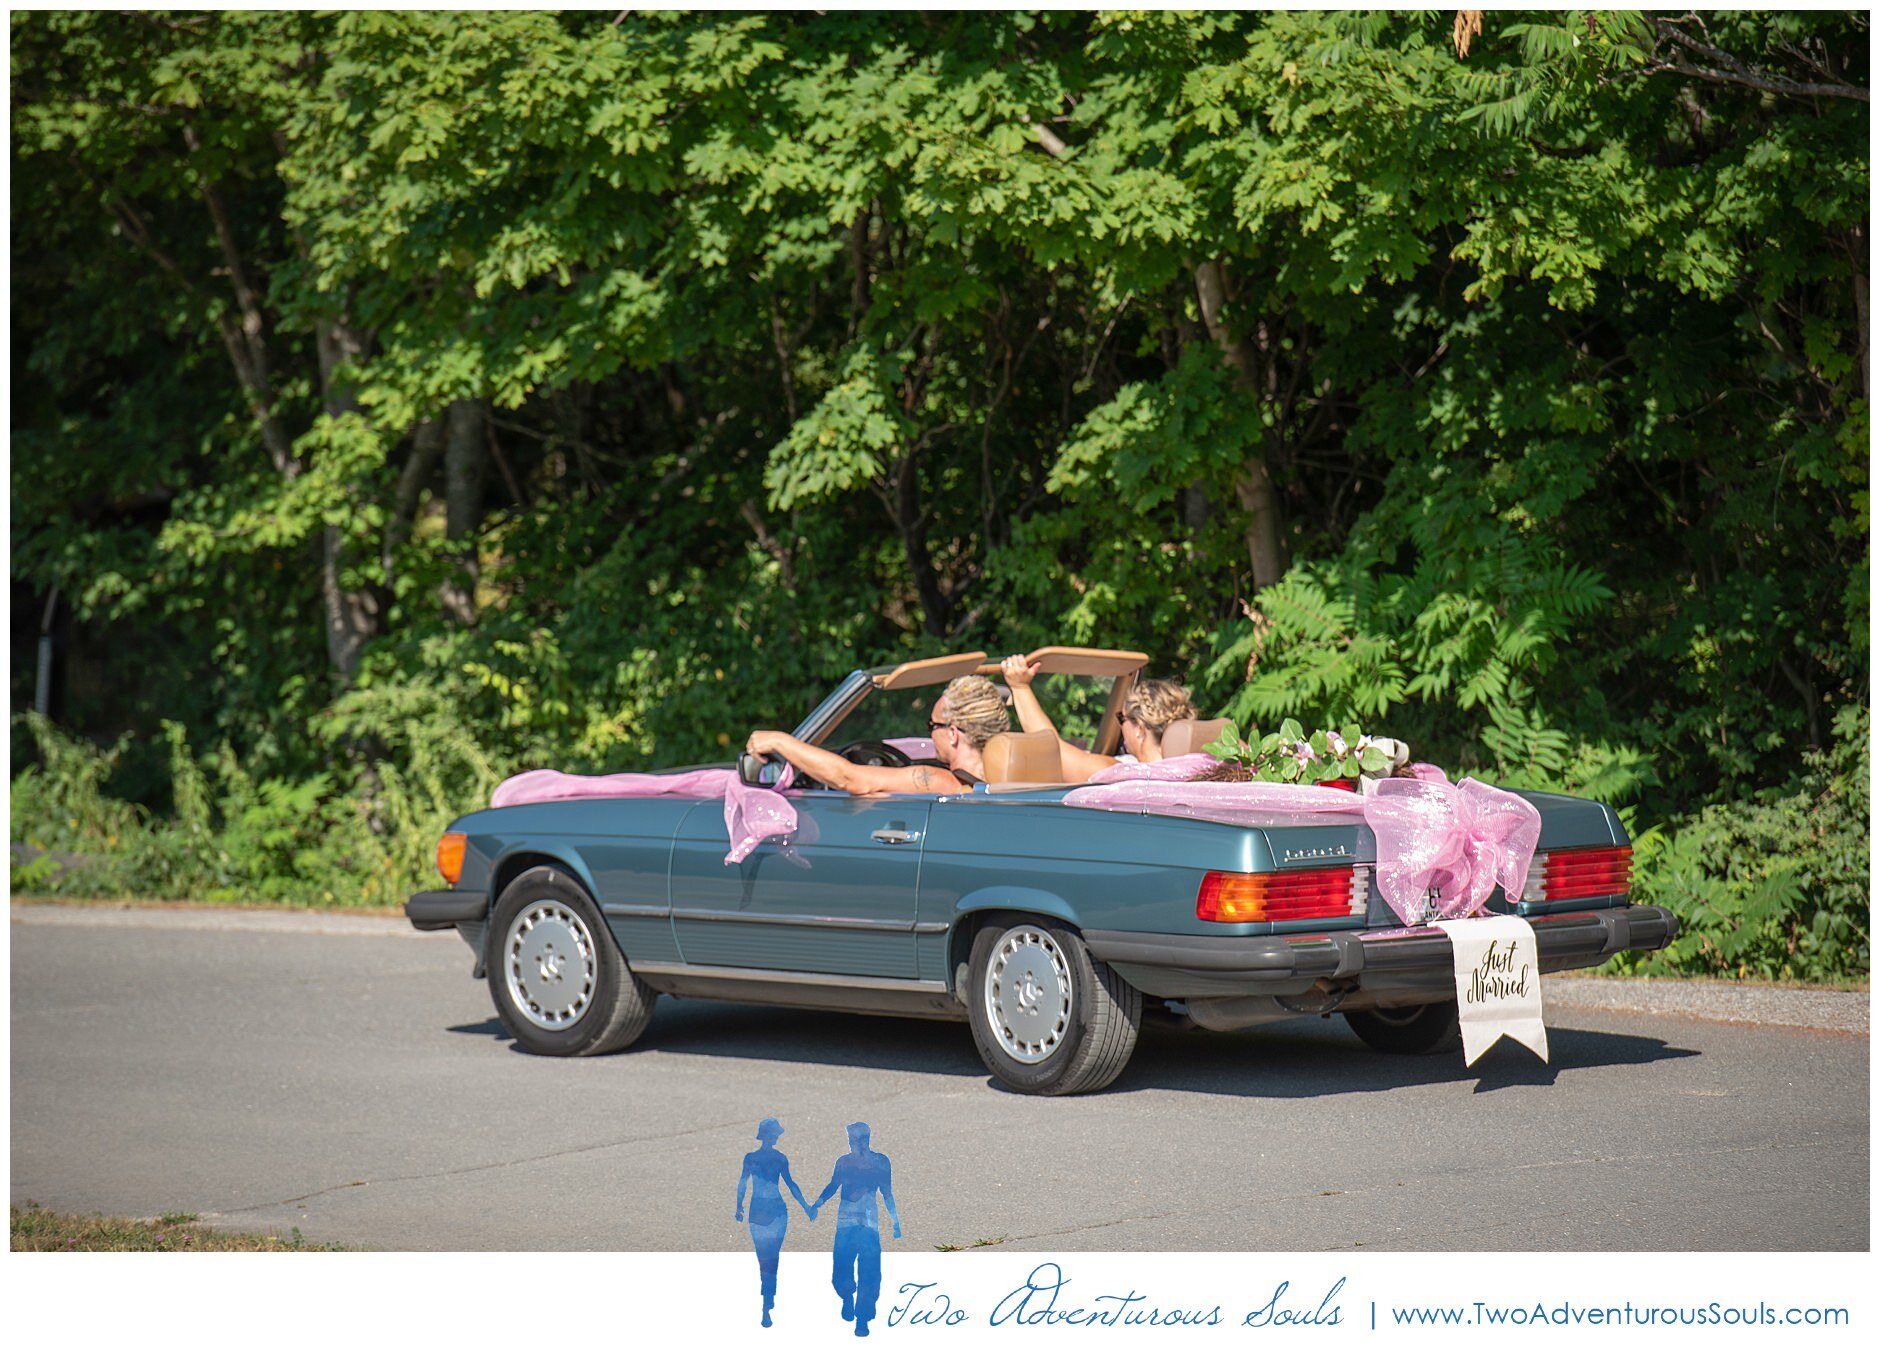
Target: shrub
{"x":1771,"y":887}
{"x":360,"y":832}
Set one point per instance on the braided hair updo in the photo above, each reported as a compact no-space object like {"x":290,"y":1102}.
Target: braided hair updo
{"x":1157,"y":704}
{"x":972,"y":705}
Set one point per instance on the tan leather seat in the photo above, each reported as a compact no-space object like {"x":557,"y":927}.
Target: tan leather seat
{"x":1190,"y":735}
{"x":1030,"y":757}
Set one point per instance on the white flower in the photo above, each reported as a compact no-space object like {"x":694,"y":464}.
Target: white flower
{"x":1305,"y":754}
{"x":1337,"y":743}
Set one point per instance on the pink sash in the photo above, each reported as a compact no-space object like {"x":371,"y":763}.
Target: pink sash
{"x":753,"y":814}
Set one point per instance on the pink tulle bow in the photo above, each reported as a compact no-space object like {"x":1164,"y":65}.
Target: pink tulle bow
{"x":753,"y":814}
{"x":757,"y":813}
{"x":1442,"y":848}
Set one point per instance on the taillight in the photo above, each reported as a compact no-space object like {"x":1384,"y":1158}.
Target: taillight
{"x":450,"y":856}
{"x":1581,"y":873}
{"x":1283,"y":896}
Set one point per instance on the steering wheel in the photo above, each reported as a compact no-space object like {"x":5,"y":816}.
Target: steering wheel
{"x":871,"y":753}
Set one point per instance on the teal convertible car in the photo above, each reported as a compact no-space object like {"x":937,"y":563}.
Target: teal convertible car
{"x":1050,"y":929}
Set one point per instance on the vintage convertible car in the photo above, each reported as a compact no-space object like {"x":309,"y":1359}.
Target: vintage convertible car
{"x":1051,"y":930}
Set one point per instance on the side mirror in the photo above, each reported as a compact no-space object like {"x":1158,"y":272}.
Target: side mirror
{"x":755,"y":770}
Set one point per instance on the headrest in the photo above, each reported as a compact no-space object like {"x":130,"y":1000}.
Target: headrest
{"x":1184,"y":736}
{"x":1023,"y":757}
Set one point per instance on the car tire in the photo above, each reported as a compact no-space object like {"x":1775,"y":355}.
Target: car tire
{"x":1423,"y":1030}
{"x":1047,"y":1018}
{"x":556,"y":975}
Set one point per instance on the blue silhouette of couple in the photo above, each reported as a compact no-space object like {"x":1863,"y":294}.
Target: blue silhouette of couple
{"x":860,"y":1175}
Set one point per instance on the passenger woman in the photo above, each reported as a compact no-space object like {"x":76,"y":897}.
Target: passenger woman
{"x":1151,"y":707}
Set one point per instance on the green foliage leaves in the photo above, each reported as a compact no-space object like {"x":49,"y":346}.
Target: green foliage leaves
{"x":815,"y":339}
{"x":1774,"y":887}
{"x":235,"y":837}
{"x":1151,"y":440}
{"x":1347,"y":638}
{"x":60,"y":803}
{"x":1315,"y":658}
{"x":847,"y":439}
{"x":1554,"y":61}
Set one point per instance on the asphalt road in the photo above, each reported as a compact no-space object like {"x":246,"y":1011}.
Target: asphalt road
{"x":347,"y":1077}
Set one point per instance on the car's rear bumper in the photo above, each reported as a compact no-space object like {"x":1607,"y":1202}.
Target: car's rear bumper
{"x":437,"y":909}
{"x":1382,"y":964}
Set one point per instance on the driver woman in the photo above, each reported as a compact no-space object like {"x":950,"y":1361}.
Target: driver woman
{"x":1151,"y":707}
{"x":967,"y":716}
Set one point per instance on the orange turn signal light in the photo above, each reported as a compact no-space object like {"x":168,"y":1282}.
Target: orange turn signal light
{"x":450,"y":856}
{"x":1284,"y":896}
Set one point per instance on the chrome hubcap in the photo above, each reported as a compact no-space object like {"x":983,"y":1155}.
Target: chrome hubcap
{"x":548,"y":961}
{"x":1028,"y":994}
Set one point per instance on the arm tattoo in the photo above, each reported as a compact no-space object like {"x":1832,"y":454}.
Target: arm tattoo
{"x":923,"y":780}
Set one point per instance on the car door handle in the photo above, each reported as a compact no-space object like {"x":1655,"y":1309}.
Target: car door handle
{"x":894,"y":837}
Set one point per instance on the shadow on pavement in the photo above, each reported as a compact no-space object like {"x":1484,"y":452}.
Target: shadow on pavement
{"x":1306,"y":1058}
{"x":492,"y":1027}
{"x":1318,"y":1057}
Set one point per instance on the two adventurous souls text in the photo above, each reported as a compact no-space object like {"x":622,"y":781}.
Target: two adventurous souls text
{"x":1045,"y":1298}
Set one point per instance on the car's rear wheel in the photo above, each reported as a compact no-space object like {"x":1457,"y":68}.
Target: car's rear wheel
{"x":556,"y":976}
{"x":1422,"y":1030}
{"x":1046,"y":1017}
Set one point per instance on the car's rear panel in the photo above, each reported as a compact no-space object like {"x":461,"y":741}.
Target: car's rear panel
{"x":1131,"y":884}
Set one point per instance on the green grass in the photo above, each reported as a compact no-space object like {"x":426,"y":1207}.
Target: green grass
{"x":977,"y":1243}
{"x":230,"y":905}
{"x":37,"y":1230}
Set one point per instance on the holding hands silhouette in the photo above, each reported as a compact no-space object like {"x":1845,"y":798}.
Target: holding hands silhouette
{"x":764,"y":1168}
{"x":861,"y":1176}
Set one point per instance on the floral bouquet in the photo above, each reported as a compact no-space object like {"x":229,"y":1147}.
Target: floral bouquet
{"x":1288,"y":755}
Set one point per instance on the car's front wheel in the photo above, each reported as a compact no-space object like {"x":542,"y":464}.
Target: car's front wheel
{"x":1046,"y":1017}
{"x":558,"y":979}
{"x":1423,"y":1030}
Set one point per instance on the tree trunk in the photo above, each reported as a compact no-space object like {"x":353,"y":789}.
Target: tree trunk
{"x":427,"y":443}
{"x":907,"y":517}
{"x":1259,"y":497}
{"x":247,"y":344}
{"x":466,"y":460}
{"x":351,"y":615}
{"x":767,"y":540}
{"x":1858,"y":250}
{"x":1260,"y":500}
{"x":1193,"y":500}
{"x":858,"y":268}
{"x":351,"y":611}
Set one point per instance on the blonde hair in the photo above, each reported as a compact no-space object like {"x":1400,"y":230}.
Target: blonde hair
{"x":972,"y":705}
{"x":1157,"y":704}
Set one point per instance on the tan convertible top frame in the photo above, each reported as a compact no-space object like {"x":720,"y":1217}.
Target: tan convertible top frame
{"x":1055,"y":660}
{"x":1126,"y":667}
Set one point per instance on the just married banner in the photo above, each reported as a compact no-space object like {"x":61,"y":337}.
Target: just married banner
{"x":1498,"y":983}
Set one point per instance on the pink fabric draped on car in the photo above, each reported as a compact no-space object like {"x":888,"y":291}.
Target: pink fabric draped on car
{"x":1169,"y":768}
{"x":1441,"y":848}
{"x":753,"y":814}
